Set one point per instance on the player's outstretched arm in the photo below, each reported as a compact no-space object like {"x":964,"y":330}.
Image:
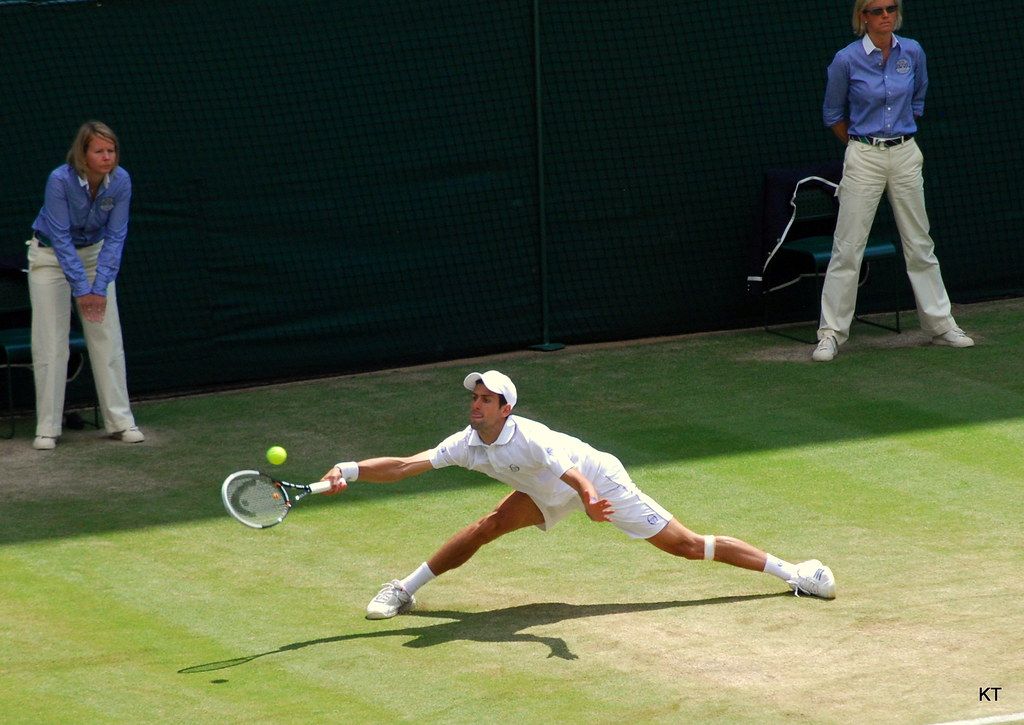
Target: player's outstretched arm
{"x":380,"y":470}
{"x":389,"y":470}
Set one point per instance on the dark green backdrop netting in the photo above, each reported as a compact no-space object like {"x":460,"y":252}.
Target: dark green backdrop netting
{"x":323,"y":187}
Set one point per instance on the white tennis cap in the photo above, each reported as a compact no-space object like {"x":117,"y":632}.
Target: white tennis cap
{"x":495,"y":382}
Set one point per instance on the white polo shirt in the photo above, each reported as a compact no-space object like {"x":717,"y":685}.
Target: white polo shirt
{"x":529,"y":457}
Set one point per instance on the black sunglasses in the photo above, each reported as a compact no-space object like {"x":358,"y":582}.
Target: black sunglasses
{"x":877,"y":12}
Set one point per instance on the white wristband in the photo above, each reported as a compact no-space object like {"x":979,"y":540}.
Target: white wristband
{"x":349,"y":470}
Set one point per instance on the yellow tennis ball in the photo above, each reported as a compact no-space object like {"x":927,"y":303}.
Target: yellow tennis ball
{"x":276,"y":455}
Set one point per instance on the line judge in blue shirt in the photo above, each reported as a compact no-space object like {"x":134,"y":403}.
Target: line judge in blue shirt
{"x":874,"y":96}
{"x":75,"y":252}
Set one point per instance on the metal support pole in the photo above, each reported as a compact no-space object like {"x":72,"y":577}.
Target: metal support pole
{"x":542,"y":223}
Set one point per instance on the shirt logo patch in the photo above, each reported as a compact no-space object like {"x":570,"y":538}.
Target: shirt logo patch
{"x":652,"y":519}
{"x":903,"y":66}
{"x":513,"y":467}
{"x":107,"y":203}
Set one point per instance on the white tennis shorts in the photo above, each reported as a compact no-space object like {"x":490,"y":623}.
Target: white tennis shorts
{"x":636,"y":514}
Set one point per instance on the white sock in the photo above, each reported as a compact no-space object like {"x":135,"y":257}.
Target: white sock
{"x":777,"y":567}
{"x":418,"y":578}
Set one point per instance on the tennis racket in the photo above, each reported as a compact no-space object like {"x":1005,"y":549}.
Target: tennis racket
{"x":259,"y":501}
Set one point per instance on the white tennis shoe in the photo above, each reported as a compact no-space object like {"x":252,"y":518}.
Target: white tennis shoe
{"x":392,"y":599}
{"x":954,"y":338}
{"x":814,"y":578}
{"x":132,"y":435}
{"x":44,"y":443}
{"x":826,"y":349}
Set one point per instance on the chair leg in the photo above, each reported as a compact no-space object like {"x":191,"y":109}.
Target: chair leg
{"x":895,"y":294}
{"x":82,"y":360}
{"x":819,"y":283}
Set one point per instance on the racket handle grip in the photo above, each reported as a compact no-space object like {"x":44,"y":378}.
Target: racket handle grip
{"x":320,"y":487}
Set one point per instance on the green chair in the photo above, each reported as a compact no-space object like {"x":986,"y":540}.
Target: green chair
{"x":803,"y":251}
{"x":16,"y":336}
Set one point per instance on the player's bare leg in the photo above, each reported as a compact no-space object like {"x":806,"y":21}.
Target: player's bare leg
{"x":516,"y":511}
{"x":678,"y":540}
{"x":810,"y":577}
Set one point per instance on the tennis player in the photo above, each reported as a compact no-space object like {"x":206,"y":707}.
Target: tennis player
{"x":553,"y":475}
{"x":75,"y":252}
{"x":874,"y":96}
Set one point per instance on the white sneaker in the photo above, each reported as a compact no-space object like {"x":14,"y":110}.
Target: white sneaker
{"x":954,"y":338}
{"x":826,"y":349}
{"x":44,"y":443}
{"x":814,"y":578}
{"x":132,"y":435}
{"x":392,"y":599}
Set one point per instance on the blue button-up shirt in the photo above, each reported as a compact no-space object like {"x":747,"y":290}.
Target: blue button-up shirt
{"x":877,"y":101}
{"x":71,"y":218}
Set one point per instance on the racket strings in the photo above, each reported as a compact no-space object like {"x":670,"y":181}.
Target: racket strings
{"x":257,"y":499}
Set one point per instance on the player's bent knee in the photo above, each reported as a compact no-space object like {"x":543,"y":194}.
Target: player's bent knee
{"x":495,"y":524}
{"x":517,"y":511}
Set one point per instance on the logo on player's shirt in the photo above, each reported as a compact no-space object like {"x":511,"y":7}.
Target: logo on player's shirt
{"x":513,"y":467}
{"x":903,"y":66}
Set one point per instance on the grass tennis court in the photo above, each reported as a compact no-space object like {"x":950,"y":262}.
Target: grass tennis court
{"x":127,"y":595}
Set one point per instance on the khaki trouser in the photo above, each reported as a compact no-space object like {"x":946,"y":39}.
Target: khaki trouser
{"x":867,"y":172}
{"x":51,"y":324}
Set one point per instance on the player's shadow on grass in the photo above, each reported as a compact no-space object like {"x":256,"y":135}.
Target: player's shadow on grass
{"x":496,"y":625}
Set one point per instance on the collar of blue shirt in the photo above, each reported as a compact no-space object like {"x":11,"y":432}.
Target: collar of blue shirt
{"x":869,"y":45}
{"x":84,"y":182}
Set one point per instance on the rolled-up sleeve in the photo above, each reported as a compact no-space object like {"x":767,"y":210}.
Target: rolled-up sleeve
{"x":837,"y":87}
{"x":920,"y":85}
